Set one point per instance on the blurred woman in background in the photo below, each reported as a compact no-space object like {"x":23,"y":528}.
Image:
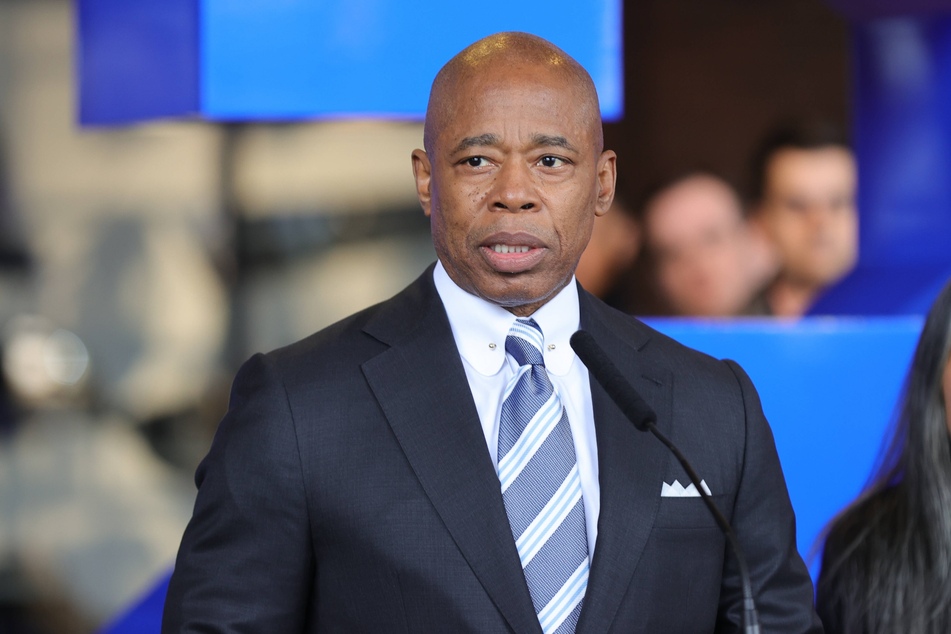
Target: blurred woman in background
{"x":886,"y":565}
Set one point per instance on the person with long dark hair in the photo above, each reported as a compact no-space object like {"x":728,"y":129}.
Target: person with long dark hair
{"x":886,"y":566}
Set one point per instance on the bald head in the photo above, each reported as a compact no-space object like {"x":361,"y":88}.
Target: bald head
{"x":514,"y":171}
{"x":503,"y":57}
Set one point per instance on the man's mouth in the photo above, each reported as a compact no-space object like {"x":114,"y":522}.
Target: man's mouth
{"x":513,"y":252}
{"x":506,"y":248}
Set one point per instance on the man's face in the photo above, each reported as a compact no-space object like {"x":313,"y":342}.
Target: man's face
{"x":700,"y":243}
{"x":513,"y":184}
{"x":809,"y":213}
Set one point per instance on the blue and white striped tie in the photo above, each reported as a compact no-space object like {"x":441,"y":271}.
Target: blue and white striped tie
{"x":541,"y":486}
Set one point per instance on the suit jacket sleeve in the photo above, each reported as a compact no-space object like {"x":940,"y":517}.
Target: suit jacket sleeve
{"x":246,"y":561}
{"x":765,"y":527}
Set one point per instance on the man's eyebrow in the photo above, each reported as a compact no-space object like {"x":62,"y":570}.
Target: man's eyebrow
{"x":549,"y":140}
{"x":476,"y":141}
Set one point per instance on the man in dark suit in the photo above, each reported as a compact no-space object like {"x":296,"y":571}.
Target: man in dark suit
{"x":368,"y":478}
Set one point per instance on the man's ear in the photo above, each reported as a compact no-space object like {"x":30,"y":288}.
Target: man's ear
{"x":423,"y":172}
{"x":607,"y":177}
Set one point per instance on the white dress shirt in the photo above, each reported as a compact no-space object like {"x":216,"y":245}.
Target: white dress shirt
{"x":480,"y":328}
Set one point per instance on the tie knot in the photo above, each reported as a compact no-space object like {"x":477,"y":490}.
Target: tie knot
{"x":525,"y":342}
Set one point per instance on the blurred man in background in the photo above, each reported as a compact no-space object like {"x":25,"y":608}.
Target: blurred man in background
{"x":703,"y":259}
{"x":803,"y":198}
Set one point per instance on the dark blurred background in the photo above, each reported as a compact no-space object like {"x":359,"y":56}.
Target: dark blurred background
{"x":704,"y":81}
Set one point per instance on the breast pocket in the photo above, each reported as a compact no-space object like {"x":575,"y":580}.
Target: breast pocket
{"x":689,"y":512}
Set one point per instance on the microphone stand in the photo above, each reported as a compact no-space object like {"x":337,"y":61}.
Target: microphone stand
{"x":644,"y":418}
{"x":750,"y":617}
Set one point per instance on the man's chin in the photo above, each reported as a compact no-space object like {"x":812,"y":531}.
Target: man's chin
{"x":520,"y":301}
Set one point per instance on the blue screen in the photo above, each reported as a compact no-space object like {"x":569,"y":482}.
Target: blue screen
{"x":307,"y":58}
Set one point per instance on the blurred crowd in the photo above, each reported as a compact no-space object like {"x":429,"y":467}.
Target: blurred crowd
{"x":694,"y":245}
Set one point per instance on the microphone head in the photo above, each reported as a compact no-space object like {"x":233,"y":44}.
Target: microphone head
{"x":588,"y":349}
{"x":610,"y":378}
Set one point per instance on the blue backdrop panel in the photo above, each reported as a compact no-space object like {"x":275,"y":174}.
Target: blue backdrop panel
{"x":902,"y":125}
{"x":902,"y":117}
{"x":829,"y":388}
{"x":136,"y":60}
{"x":294,"y":59}
{"x":377,"y":57}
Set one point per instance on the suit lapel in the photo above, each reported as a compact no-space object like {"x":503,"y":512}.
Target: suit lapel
{"x":421,"y":386}
{"x":627,"y":462}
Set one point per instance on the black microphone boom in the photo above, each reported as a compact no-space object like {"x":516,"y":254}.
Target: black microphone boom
{"x":644,"y":418}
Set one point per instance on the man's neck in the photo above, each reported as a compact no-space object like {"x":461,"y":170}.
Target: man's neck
{"x":788,"y":298}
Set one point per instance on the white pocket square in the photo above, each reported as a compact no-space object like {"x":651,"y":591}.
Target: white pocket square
{"x":677,"y":490}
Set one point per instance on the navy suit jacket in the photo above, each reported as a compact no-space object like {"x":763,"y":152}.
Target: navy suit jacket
{"x":349,"y":489}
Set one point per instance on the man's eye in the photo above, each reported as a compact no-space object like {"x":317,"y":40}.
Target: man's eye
{"x":475,"y":161}
{"x":551,"y":161}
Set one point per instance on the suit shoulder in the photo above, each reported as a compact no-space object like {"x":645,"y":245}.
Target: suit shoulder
{"x":341,"y":339}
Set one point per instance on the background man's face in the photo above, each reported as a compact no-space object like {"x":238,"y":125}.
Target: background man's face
{"x":700,"y":242}
{"x":514,"y":184}
{"x":809,"y":213}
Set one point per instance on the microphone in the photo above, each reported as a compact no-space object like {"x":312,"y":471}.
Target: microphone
{"x":644,"y":419}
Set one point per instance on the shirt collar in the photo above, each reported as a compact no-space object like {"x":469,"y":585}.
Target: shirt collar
{"x":480,"y":327}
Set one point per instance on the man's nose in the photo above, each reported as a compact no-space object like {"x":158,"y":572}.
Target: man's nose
{"x":820,"y":215}
{"x":514,"y":188}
